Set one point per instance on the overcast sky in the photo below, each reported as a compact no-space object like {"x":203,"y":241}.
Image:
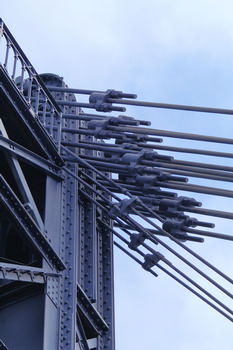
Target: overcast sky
{"x":164,"y":51}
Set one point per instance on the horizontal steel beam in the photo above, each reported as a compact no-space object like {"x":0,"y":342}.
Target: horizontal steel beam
{"x":22,"y":273}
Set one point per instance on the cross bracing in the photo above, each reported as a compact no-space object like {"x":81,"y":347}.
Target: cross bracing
{"x":73,"y":185}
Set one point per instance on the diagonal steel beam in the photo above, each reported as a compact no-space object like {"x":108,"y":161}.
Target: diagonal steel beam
{"x":94,"y":317}
{"x":80,"y":335}
{"x":3,"y":346}
{"x":22,"y":182}
{"x":30,"y":157}
{"x":28,"y":226}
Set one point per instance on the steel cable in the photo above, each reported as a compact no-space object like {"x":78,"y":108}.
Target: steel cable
{"x":167,"y":234}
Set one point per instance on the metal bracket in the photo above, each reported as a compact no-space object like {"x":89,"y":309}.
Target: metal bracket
{"x":167,"y":204}
{"x":121,"y":208}
{"x":151,"y":260}
{"x":136,"y":239}
{"x":102,"y":104}
{"x":52,"y":289}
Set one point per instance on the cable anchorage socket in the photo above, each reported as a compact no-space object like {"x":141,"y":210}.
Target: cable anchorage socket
{"x":101,"y":101}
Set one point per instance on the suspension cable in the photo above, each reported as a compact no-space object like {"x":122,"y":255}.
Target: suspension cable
{"x":156,"y":240}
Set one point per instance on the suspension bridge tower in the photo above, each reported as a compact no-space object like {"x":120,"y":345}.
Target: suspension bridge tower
{"x":70,"y":181}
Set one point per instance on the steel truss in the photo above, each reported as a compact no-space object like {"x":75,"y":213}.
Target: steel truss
{"x":66,"y":191}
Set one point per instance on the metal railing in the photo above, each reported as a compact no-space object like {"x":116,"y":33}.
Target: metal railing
{"x":29,"y":84}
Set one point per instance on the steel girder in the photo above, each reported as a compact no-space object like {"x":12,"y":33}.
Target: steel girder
{"x":31,"y":164}
{"x":88,"y":272}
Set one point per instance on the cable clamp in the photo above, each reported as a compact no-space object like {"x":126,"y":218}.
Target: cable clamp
{"x":151,"y":260}
{"x":101,"y":103}
{"x":121,"y":208}
{"x":136,"y":239}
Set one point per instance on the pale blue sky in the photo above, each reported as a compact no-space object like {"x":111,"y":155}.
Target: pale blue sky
{"x":164,"y":51}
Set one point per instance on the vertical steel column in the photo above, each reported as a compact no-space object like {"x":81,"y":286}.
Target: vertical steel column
{"x":88,"y":262}
{"x":106,"y":280}
{"x":94,"y":245}
{"x":68,"y":236}
{"x":52,"y":222}
{"x":68,"y":224}
{"x":68,"y":252}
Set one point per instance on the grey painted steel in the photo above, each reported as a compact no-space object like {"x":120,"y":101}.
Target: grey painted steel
{"x":94,"y":307}
{"x":52,"y":225}
{"x":2,"y":346}
{"x":48,"y":311}
{"x":30,"y":157}
{"x":89,"y":310}
{"x":173,"y":106}
{"x":16,"y":60}
{"x":18,"y":320}
{"x":21,"y":182}
{"x":59,"y":203}
{"x":28,"y":117}
{"x":13,"y":272}
{"x":26,"y":223}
